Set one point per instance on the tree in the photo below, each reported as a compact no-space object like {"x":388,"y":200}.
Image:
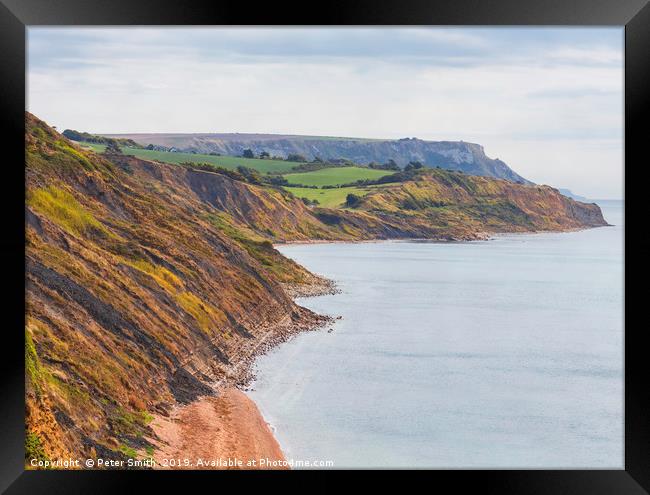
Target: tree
{"x":265,"y":154}
{"x":73,"y":135}
{"x":352,"y":200}
{"x":413,"y":166}
{"x":310,"y":202}
{"x":248,"y":153}
{"x":113,"y":149}
{"x":294,"y":157}
{"x":277,"y":180}
{"x":251,"y":175}
{"x":391,"y":165}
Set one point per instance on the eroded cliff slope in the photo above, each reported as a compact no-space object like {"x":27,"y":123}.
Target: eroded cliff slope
{"x":451,"y":205}
{"x":146,"y":282}
{"x":138,"y":296}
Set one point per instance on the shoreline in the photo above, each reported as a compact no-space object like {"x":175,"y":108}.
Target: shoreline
{"x":480,"y":237}
{"x":207,"y":432}
{"x":226,"y":430}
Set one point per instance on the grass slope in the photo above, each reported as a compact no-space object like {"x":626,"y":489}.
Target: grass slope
{"x":328,"y":198}
{"x":231,"y":162}
{"x":335,"y":176}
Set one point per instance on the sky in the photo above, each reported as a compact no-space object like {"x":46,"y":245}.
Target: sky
{"x":547,"y":101}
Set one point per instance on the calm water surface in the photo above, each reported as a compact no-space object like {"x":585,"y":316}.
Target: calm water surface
{"x":506,"y":353}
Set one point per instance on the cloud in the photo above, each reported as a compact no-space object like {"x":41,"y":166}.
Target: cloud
{"x":509,"y":87}
{"x":582,"y":56}
{"x":470,"y":46}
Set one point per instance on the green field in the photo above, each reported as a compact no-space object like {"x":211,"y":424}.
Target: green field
{"x":97,"y":148}
{"x":329,"y":198}
{"x":231,"y":162}
{"x":335,"y":176}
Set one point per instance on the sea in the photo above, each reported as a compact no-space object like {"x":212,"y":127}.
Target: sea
{"x":505,"y":353}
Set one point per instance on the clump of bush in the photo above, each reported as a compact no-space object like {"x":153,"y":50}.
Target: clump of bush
{"x":242,"y":174}
{"x":310,"y":202}
{"x":352,"y":200}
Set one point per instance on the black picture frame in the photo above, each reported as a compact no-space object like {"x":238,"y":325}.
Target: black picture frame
{"x":16,"y":15}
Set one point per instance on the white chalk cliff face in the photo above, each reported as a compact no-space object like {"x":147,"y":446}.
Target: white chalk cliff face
{"x":452,"y":155}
